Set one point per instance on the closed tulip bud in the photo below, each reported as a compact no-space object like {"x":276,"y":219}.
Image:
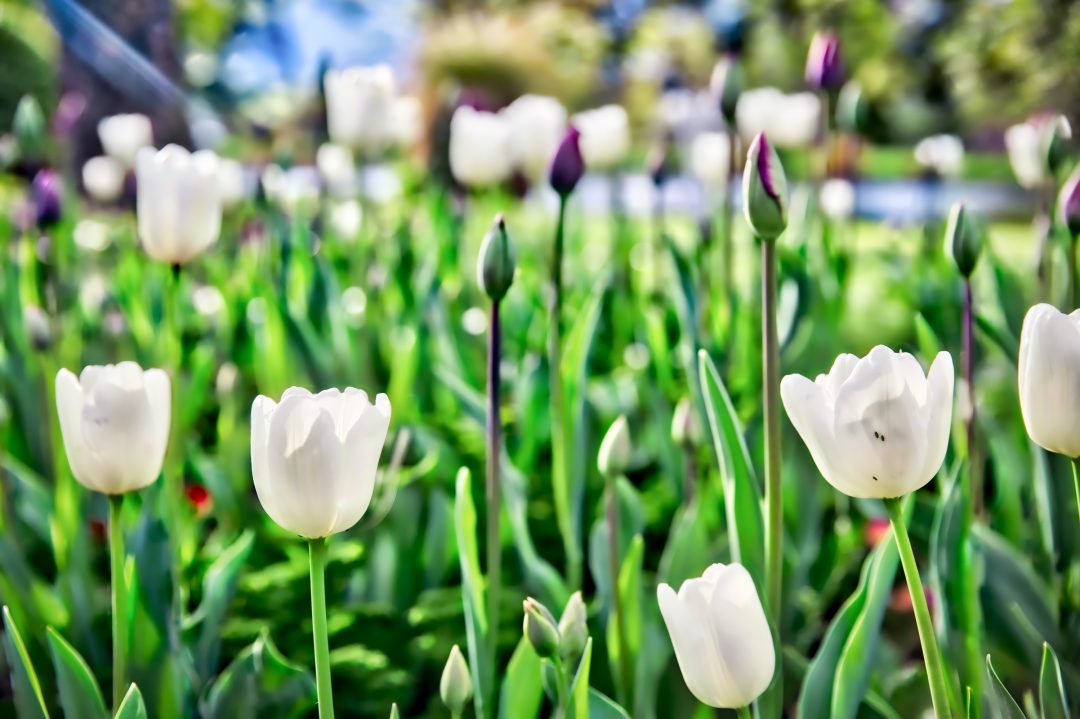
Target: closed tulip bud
{"x":1069,"y":203}
{"x":614,"y":456}
{"x":45,"y":190}
{"x":824,"y":68}
{"x":1036,"y":148}
{"x":1056,"y":135}
{"x":360,"y":104}
{"x":540,"y":629}
{"x":115,"y":424}
{"x":178,"y":203}
{"x":123,"y":136}
{"x":765,"y":192}
{"x":685,"y":429}
{"x":963,"y":237}
{"x":568,"y":165}
{"x":479,"y":147}
{"x":1049,"y":378}
{"x":721,"y":636}
{"x":28,"y":126}
{"x":573,"y":628}
{"x":727,"y":85}
{"x":495,"y":268}
{"x":314,"y":457}
{"x":877,"y":427}
{"x":103,"y":178}
{"x":852,"y":109}
{"x":455,"y":686}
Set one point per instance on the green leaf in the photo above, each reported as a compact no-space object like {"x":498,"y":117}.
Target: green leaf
{"x":472,"y":590}
{"x":603,"y":707}
{"x":523,"y":688}
{"x":1002,"y":704}
{"x":132,"y":707}
{"x":742,"y":493}
{"x":219,"y":585}
{"x":260,"y":682}
{"x":29,"y":702}
{"x":629,"y":589}
{"x":1052,"y":698}
{"x":578,"y":704}
{"x":394,"y":713}
{"x":80,"y":697}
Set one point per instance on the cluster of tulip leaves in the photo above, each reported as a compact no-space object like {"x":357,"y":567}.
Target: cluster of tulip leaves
{"x":219,"y":625}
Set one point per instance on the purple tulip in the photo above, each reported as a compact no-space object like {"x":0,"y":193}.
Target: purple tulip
{"x":567,"y":166}
{"x":1069,"y":203}
{"x":45,"y":192}
{"x":824,"y":68}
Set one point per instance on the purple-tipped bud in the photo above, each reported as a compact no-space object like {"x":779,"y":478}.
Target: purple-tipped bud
{"x":824,"y":68}
{"x":1069,"y":203}
{"x":45,"y":191}
{"x":567,"y":166}
{"x":765,"y":192}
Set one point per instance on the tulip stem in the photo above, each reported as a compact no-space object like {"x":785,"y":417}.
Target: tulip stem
{"x":743,"y":712}
{"x":935,"y":668}
{"x":494,"y":493}
{"x":1076,"y":483}
{"x":774,"y":560}
{"x":318,"y":628}
{"x":625,"y":671}
{"x":119,"y":598}
{"x":560,"y":686}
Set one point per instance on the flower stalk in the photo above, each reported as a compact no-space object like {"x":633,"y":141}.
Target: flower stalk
{"x":317,"y":550}
{"x":493,"y":485}
{"x":119,"y":598}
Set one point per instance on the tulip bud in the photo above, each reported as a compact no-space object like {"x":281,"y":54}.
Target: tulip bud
{"x":455,"y":686}
{"x":495,"y":268}
{"x":852,"y":109}
{"x":568,"y":165}
{"x":38,"y":328}
{"x":765,"y":192}
{"x":727,"y":85}
{"x":685,"y":430}
{"x":963,"y":237}
{"x":28,"y":126}
{"x":573,"y":629}
{"x":45,"y":192}
{"x":824,"y":68}
{"x":614,"y":456}
{"x":1069,"y":203}
{"x":178,"y":202}
{"x":1055,"y":139}
{"x":540,"y":629}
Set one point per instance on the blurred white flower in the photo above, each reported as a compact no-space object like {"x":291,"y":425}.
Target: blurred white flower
{"x":177,"y":202}
{"x":837,"y":197}
{"x":122,"y":136}
{"x":345,"y":218}
{"x":92,"y":235}
{"x":537,"y":125}
{"x":337,"y":168}
{"x":474,"y":321}
{"x":710,"y":158}
{"x":207,"y":300}
{"x":720,"y":634}
{"x":314,"y":457}
{"x":1049,"y":378}
{"x":877,"y":427}
{"x":234,"y":185}
{"x":479,"y":147}
{"x":295,"y":189}
{"x":359,"y":106}
{"x":788,"y":120}
{"x":115,"y":424}
{"x":944,"y":154}
{"x":354,"y":302}
{"x":407,"y":121}
{"x":1030,"y":146}
{"x":103,"y":178}
{"x":92,"y":293}
{"x":605,"y":136}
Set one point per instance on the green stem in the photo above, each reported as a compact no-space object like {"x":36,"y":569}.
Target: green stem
{"x":560,"y":687}
{"x":743,"y":712}
{"x":935,"y":668}
{"x":1076,"y":483}
{"x":318,"y":628}
{"x":626,"y":676}
{"x":172,"y":500}
{"x":119,"y":598}
{"x":494,"y":493}
{"x":771,"y":400}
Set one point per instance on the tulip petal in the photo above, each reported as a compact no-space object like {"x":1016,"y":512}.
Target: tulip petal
{"x":1049,"y":380}
{"x":810,"y":410}
{"x":69,"y":405}
{"x":694,"y":651}
{"x":742,"y":634}
{"x":938,"y":414}
{"x":362,"y":448}
{"x":118,"y":427}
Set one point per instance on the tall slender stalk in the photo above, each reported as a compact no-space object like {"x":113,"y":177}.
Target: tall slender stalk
{"x":119,"y":598}
{"x":626,"y":676}
{"x":494,"y":494}
{"x":935,"y":668}
{"x":1076,"y":483}
{"x":743,"y":712}
{"x":172,"y":496}
{"x":317,"y":550}
{"x":968,"y":349}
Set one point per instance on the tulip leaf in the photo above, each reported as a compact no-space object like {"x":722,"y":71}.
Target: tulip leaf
{"x":133,"y":706}
{"x":1001,"y":702}
{"x":687,"y":548}
{"x":1052,"y":698}
{"x":29,"y":702}
{"x":219,"y":585}
{"x":472,"y":590}
{"x":578,"y":703}
{"x":260,"y":682}
{"x":80,"y":697}
{"x":629,"y":589}
{"x":603,"y":707}
{"x":522,"y":689}
{"x":742,"y":493}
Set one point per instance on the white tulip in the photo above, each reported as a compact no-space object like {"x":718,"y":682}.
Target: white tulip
{"x":359,"y":106}
{"x":479,"y":147}
{"x":1049,"y":378}
{"x":234,"y":184}
{"x":944,"y":154}
{"x":1029,"y":145}
{"x":605,"y":136}
{"x":178,"y":202}
{"x":294,"y":189}
{"x":314,"y":457}
{"x":837,"y":197}
{"x":103,"y":178}
{"x":407,"y":124}
{"x":115,"y":424}
{"x":787,"y":120}
{"x":537,"y":126}
{"x":877,"y":427}
{"x":710,"y":158}
{"x":721,"y":637}
{"x":122,"y":136}
{"x":337,"y":168}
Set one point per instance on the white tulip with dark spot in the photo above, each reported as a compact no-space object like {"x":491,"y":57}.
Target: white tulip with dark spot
{"x":314,"y":457}
{"x":115,"y":424}
{"x":876,"y":426}
{"x":721,"y":636}
{"x":1049,"y":378}
{"x":178,"y":202}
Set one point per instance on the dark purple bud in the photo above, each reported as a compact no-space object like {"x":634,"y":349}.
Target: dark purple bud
{"x":567,"y":166}
{"x":45,"y":192}
{"x":1069,"y":203}
{"x":824,"y":68}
